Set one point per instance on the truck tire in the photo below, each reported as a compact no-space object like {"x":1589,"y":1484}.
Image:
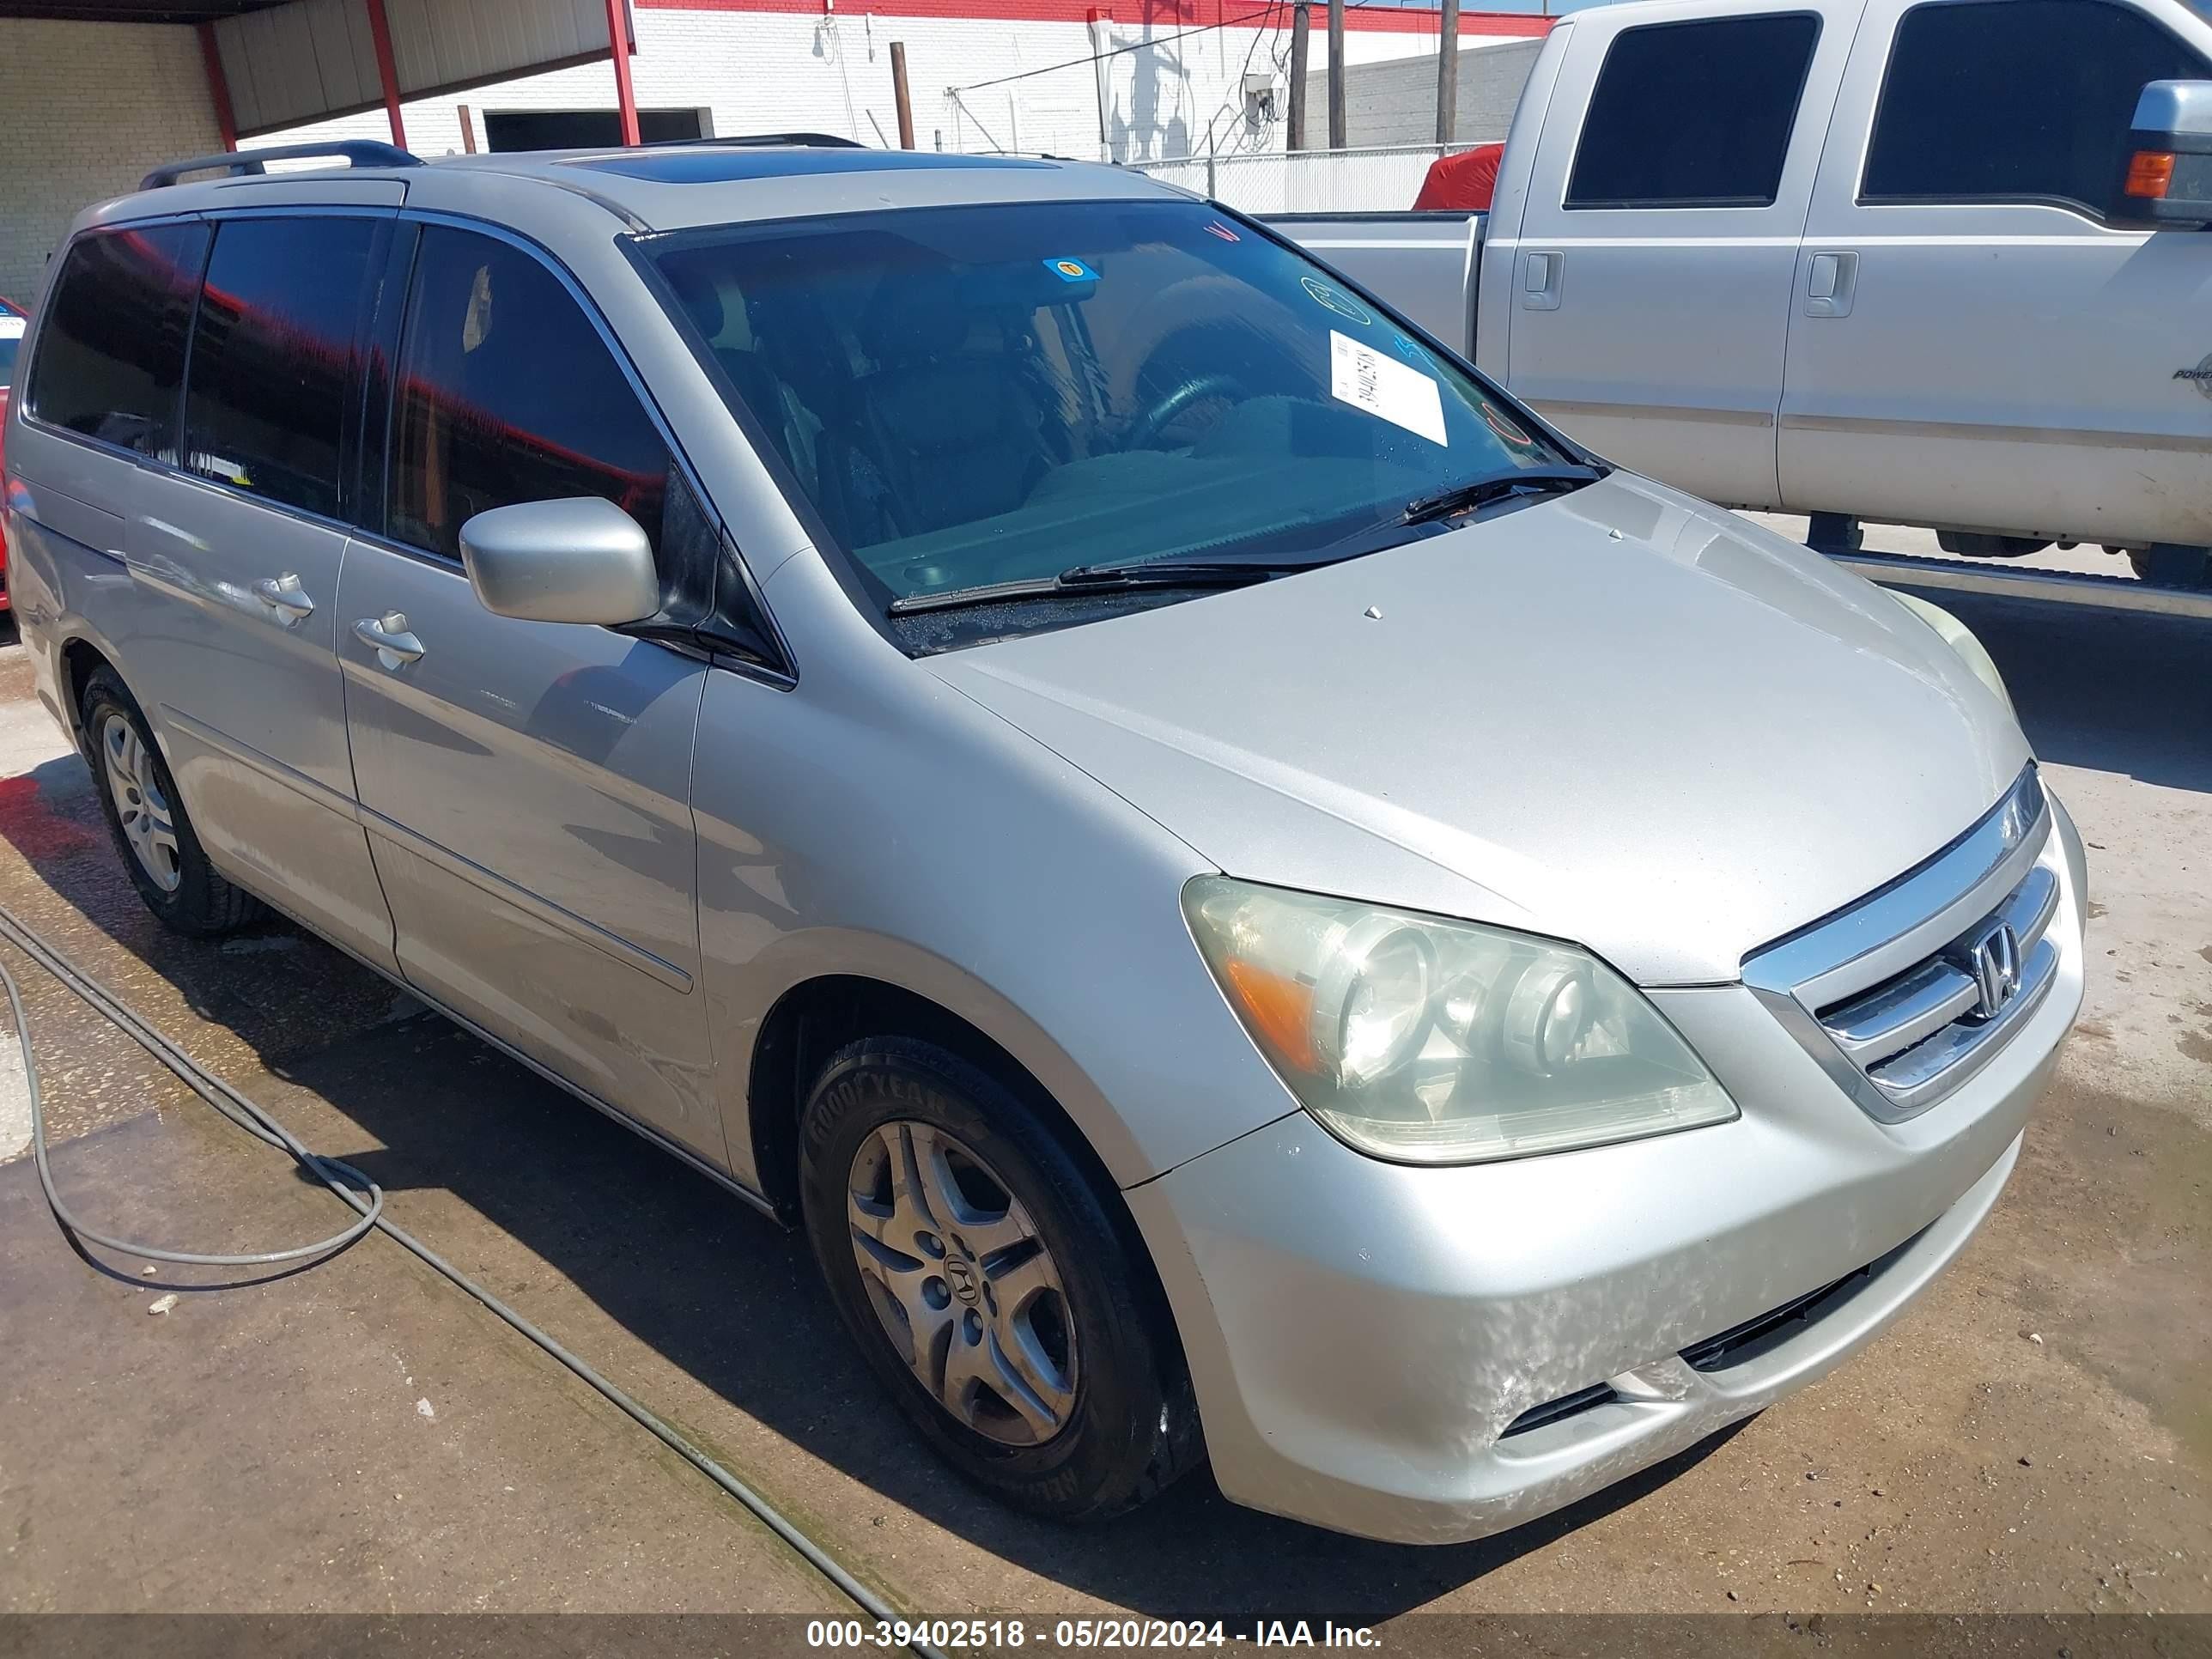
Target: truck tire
{"x":2170,"y":564}
{"x":1972,"y":544}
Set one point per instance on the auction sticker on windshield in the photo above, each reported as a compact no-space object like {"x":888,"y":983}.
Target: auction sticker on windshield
{"x":1366,"y":378}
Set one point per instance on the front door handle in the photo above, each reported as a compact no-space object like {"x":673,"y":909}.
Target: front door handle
{"x":283,"y":595}
{"x":394,"y":646}
{"x":1830,"y":282}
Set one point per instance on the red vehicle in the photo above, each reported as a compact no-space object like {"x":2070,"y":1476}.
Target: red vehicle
{"x":11,"y":345}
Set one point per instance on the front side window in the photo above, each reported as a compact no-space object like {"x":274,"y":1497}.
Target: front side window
{"x":972,"y":396}
{"x":1693,"y":115}
{"x":112,"y":343}
{"x":507,"y":393}
{"x":272,"y":357}
{"x":2015,"y":100}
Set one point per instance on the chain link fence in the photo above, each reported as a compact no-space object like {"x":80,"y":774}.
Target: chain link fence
{"x":1383,"y":179}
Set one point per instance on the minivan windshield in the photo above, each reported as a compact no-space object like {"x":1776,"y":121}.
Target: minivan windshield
{"x":980,"y":396}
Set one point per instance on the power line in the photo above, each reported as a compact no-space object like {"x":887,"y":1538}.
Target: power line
{"x":1273,"y":7}
{"x":1116,"y":51}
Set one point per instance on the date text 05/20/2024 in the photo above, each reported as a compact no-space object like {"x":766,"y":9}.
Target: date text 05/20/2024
{"x":951,"y":1634}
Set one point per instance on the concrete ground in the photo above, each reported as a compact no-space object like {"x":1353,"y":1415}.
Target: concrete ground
{"x":2036,"y":1436}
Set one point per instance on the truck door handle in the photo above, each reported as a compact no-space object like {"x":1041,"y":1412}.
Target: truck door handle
{"x":1831,"y":279}
{"x":283,"y":594}
{"x":1541,"y":276}
{"x":395,"y":647}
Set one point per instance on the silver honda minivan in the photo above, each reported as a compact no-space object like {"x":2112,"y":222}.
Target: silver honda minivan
{"x":1255,"y":900}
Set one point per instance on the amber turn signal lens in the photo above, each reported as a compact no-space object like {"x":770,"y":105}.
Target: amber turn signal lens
{"x":2150,"y":173}
{"x":1279,"y":1008}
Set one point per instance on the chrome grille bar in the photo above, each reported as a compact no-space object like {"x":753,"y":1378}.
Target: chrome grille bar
{"x":1898,"y":1015}
{"x":1904,"y":996}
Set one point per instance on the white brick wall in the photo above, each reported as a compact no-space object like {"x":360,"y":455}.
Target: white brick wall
{"x":781,"y":71}
{"x":85,"y":110}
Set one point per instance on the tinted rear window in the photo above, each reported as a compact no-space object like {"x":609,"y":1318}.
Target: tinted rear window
{"x":1693,"y":114}
{"x":112,"y":344}
{"x":272,"y":357}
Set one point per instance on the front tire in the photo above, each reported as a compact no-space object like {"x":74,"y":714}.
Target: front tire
{"x":987,"y":1286}
{"x":139,"y":799}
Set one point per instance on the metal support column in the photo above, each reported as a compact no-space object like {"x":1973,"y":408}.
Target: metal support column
{"x":387,"y":68}
{"x":218,"y":88}
{"x":618,"y":48}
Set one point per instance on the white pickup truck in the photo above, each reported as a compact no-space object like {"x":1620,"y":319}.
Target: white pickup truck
{"x":1941,"y":263}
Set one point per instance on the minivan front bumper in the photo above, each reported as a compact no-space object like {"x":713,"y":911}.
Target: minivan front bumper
{"x":1432,"y":1355}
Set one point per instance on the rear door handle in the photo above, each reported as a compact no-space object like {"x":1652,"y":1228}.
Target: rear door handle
{"x":394,"y":646}
{"x":283,"y":594}
{"x":1542,"y":275}
{"x":1831,"y":279}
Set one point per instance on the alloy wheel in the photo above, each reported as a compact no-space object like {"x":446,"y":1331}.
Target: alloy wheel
{"x":140,"y":806}
{"x":966,"y":1289}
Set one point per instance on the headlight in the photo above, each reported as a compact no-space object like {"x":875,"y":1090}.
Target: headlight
{"x":1434,"y":1042}
{"x":1961,"y":638}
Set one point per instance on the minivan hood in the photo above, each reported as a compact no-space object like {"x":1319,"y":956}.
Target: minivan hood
{"x":1620,"y":717}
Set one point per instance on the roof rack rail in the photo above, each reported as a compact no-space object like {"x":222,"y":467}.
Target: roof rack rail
{"x":361,"y":152}
{"x":809,"y":140}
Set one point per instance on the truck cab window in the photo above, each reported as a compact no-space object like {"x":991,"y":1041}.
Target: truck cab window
{"x":1693,"y":115}
{"x":2015,"y":100}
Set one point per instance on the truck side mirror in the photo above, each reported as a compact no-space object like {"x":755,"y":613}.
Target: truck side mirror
{"x":2166,"y":176}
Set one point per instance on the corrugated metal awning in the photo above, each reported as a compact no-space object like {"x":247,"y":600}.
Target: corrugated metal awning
{"x":307,"y":60}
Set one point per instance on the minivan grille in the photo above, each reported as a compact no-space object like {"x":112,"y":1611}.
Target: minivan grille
{"x":1904,"y":996}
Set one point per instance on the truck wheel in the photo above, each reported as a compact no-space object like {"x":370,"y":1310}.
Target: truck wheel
{"x":1969,"y":544}
{"x":2170,"y":564}
{"x":987,"y":1286}
{"x":139,"y":799}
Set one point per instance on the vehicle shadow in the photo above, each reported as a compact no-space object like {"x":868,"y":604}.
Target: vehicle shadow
{"x":732,"y":1300}
{"x":549,"y":1202}
{"x":2107,"y":690}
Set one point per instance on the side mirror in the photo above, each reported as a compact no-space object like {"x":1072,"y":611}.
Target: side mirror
{"x":2166,"y":178}
{"x":581,"y":559}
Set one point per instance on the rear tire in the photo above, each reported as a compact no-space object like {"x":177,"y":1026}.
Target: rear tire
{"x":970,"y":1257}
{"x":139,"y":799}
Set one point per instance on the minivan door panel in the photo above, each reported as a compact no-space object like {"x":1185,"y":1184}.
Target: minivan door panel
{"x":526,"y":792}
{"x":237,"y":539}
{"x":525,"y":784}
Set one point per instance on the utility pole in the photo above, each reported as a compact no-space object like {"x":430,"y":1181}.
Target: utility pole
{"x":1300,"y":33}
{"x":1336,"y":139}
{"x":1448,"y":75}
{"x":900,"y":97}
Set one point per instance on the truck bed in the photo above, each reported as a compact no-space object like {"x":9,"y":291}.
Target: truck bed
{"x":1426,"y":263}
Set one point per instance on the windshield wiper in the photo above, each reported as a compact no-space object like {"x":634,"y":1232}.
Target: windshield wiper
{"x":1100,"y":577}
{"x":1496,"y":486}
